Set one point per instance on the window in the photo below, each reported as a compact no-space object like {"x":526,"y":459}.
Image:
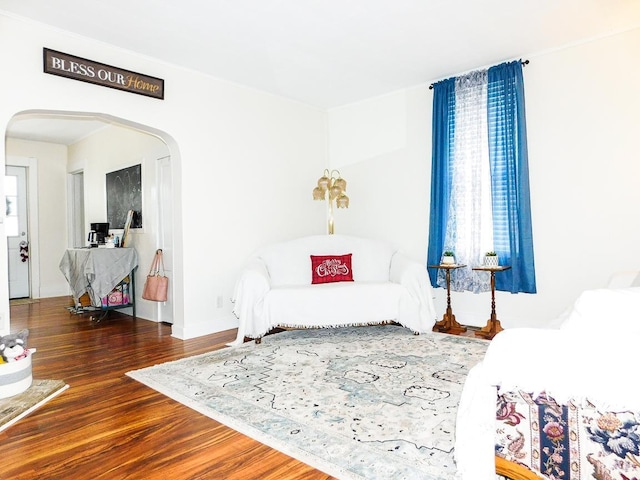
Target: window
{"x":480,"y":180}
{"x":11,"y":205}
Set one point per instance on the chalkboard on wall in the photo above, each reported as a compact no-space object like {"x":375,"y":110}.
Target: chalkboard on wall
{"x":124,"y":193}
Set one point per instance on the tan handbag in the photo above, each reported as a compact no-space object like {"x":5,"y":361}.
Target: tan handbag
{"x":156,"y":285}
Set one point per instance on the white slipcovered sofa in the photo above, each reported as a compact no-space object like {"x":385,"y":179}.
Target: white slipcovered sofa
{"x":275,"y":288}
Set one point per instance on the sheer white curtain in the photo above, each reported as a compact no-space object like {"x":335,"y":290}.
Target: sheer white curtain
{"x":469,"y":230}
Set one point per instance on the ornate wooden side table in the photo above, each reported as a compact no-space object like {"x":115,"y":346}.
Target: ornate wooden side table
{"x":448,"y":323}
{"x":493,"y":327}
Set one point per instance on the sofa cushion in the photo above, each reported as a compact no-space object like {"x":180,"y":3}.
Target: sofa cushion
{"x":288,"y":262}
{"x":331,"y":268}
{"x":333,"y":304}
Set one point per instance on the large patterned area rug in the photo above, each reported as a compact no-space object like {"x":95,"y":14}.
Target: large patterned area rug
{"x":357,"y":403}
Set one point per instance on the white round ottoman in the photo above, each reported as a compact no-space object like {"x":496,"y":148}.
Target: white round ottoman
{"x":15,"y":377}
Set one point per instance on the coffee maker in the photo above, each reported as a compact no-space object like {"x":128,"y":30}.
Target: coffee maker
{"x":98,"y":234}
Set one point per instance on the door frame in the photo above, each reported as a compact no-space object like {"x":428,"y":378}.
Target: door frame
{"x":75,"y":224}
{"x":165,"y":238}
{"x":31,"y":167}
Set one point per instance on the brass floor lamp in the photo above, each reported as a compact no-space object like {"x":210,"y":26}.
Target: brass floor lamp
{"x":332,"y":187}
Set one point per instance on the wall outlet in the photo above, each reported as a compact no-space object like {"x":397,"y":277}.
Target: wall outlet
{"x":219,"y":301}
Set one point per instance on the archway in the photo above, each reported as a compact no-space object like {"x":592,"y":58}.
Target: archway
{"x":21,"y":133}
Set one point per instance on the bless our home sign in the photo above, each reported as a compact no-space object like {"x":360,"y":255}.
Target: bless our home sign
{"x":76,"y":68}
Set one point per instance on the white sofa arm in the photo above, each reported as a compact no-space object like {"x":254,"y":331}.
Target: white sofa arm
{"x":401,"y":268}
{"x":254,"y":283}
{"x":413,"y":276}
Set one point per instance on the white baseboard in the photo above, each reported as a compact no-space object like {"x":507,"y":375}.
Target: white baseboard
{"x":47,"y":291}
{"x":219,"y":324}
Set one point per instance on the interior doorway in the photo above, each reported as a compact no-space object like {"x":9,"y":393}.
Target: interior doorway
{"x":32,"y":126}
{"x":31,"y":250}
{"x":17,"y":228}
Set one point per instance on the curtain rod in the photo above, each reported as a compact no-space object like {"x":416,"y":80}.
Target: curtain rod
{"x":524,"y":63}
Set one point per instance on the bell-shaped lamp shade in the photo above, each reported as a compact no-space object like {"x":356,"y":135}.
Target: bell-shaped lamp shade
{"x":318,"y":193}
{"x":341,"y":183}
{"x":323,"y":182}
{"x":342,"y":201}
{"x":334,"y":192}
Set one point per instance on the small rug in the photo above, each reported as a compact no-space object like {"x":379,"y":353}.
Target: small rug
{"x":23,"y":301}
{"x":357,"y":403}
{"x":14,"y":408}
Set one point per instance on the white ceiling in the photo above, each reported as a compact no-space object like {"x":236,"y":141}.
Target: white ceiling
{"x":329,"y":53}
{"x":53,"y":128}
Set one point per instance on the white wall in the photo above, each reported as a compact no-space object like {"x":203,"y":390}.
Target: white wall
{"x":582,"y":105}
{"x":51,"y":161}
{"x":386,"y":163}
{"x":243,"y":162}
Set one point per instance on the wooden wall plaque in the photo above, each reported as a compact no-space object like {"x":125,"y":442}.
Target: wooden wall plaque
{"x":77,"y":68}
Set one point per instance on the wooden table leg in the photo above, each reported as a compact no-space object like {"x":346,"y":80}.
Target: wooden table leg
{"x":493,"y":327}
{"x":448,"y":324}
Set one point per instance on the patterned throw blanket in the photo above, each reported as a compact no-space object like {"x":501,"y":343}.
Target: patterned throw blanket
{"x":572,"y":441}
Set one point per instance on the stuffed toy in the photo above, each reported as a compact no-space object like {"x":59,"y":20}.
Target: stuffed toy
{"x":13,"y":347}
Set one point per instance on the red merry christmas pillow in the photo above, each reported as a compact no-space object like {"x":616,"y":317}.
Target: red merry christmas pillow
{"x":331,"y":268}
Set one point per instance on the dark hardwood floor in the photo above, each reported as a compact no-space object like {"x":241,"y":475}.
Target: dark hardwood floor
{"x":108,"y":426}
